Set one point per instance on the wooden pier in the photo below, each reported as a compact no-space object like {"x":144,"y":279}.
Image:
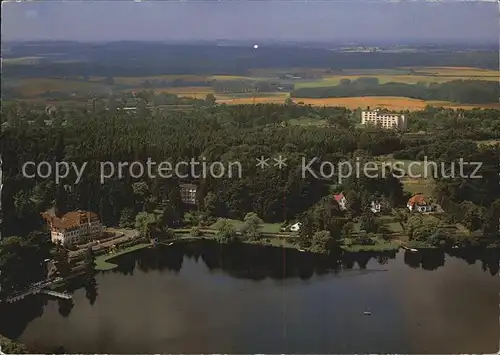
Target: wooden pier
{"x":36,"y":288}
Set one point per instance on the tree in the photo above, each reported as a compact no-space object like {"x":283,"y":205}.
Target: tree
{"x":491,"y":227}
{"x":9,"y":346}
{"x":321,"y":242}
{"x":61,"y":258}
{"x":127,"y":218}
{"x":210,"y":99}
{"x":368,"y":222}
{"x":195,"y":232}
{"x":89,"y":261}
{"x":347,"y":229}
{"x":191,"y":219}
{"x":145,"y":222}
{"x":252,"y":227}
{"x":288,"y":101}
{"x":141,"y":193}
{"x":210,"y":204}
{"x":473,"y":215}
{"x":226,"y":233}
{"x":22,"y":260}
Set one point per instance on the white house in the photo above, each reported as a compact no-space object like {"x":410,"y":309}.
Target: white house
{"x":74,"y":227}
{"x":295,"y":227}
{"x":418,"y":203}
{"x":375,"y":207}
{"x":341,"y":200}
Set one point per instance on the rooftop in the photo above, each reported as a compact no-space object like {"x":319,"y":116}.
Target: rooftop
{"x":70,"y":220}
{"x":418,"y":199}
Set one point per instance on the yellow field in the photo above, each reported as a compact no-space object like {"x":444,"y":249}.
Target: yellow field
{"x":185,"y":91}
{"x":421,"y":75}
{"x":389,"y":102}
{"x":32,"y":87}
{"x":457,"y":71}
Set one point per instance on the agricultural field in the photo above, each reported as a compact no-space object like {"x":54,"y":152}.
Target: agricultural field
{"x":395,"y":103}
{"x":416,"y":75}
{"x":418,"y":186}
{"x":32,"y":87}
{"x":186,"y":91}
{"x":463,"y":72}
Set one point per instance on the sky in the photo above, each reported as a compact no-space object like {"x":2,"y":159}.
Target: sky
{"x":250,"y":20}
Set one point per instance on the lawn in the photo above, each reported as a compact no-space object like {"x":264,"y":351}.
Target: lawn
{"x":416,"y":186}
{"x":266,"y":227}
{"x":413,"y":168}
{"x":102,"y":263}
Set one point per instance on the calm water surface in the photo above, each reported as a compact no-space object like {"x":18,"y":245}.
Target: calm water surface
{"x":203,"y":298}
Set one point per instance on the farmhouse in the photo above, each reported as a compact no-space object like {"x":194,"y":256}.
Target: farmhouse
{"x":73,"y":227}
{"x":341,"y":200}
{"x":295,"y":227}
{"x":419,"y":203}
{"x":384,"y":120}
{"x":375,"y":206}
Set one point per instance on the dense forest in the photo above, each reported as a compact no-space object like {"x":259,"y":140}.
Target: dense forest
{"x":227,"y":134}
{"x":459,"y":91}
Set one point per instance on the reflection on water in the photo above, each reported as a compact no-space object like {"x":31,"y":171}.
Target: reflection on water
{"x":204,"y":297}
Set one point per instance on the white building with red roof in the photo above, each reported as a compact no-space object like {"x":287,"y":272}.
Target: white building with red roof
{"x":419,"y":203}
{"x":73,"y":227}
{"x":341,"y":200}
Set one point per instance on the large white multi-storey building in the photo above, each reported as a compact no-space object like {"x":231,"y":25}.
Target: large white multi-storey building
{"x":384,"y":120}
{"x":74,"y":227}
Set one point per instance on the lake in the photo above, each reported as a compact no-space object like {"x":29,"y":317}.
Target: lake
{"x":203,"y":297}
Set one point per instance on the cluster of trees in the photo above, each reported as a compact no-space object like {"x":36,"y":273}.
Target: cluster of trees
{"x":177,"y":82}
{"x":326,"y":226}
{"x":476,"y":124}
{"x":225,"y":134}
{"x":250,"y":86}
{"x":460,"y":91}
{"x":229,"y":134}
{"x":9,"y":346}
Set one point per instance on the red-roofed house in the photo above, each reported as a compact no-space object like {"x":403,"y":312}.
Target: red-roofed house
{"x":341,"y":200}
{"x":419,"y":203}
{"x":73,"y":227}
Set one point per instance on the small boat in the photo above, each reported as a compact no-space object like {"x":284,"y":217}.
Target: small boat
{"x":302,"y":250}
{"x":367,"y":313}
{"x":171,"y":243}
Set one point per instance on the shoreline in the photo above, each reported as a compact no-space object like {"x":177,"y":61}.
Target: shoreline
{"x":104,"y":261}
